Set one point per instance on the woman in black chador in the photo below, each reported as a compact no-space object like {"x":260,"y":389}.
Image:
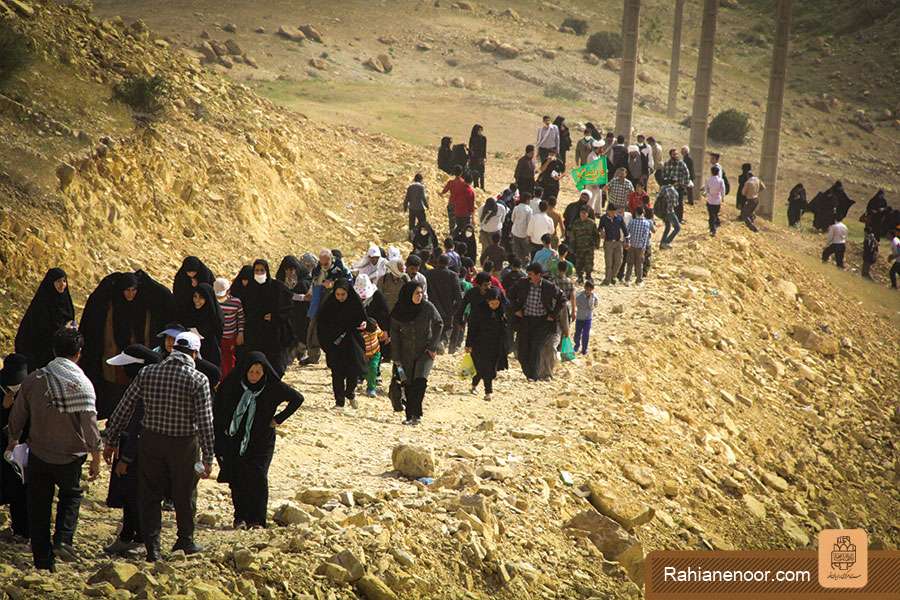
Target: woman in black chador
{"x":297,"y":278}
{"x":50,"y":309}
{"x":205,"y":315}
{"x":340,"y":324}
{"x":191,"y":274}
{"x":245,"y":416}
{"x":267,"y":314}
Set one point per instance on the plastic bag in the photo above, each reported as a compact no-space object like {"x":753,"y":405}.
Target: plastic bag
{"x":467,"y":367}
{"x":567,"y":350}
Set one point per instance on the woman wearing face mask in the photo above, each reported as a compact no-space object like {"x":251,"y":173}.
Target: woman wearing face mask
{"x":245,"y":416}
{"x":467,"y":237}
{"x":340,"y":323}
{"x":416,"y":329}
{"x":424,"y":239}
{"x":126,"y":308}
{"x":205,"y":315}
{"x":12,"y":489}
{"x":267,"y":314}
{"x":50,"y":309}
{"x":486,"y":341}
{"x":191,"y":274}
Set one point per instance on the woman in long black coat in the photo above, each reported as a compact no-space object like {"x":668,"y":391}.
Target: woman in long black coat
{"x":191,"y":274}
{"x":245,"y":416}
{"x":50,"y":309}
{"x":486,"y":341}
{"x":205,"y":315}
{"x":124,"y":309}
{"x":477,"y":155}
{"x":298,"y":280}
{"x":796,"y":204}
{"x":565,"y":138}
{"x":12,"y":488}
{"x":267,"y":315}
{"x":340,"y":323}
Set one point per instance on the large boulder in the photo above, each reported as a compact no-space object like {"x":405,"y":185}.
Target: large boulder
{"x":612,"y":540}
{"x":413,"y":461}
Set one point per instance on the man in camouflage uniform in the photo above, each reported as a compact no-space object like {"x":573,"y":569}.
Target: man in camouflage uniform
{"x":585,"y":240}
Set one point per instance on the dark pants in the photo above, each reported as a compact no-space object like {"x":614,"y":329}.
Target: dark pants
{"x":476,"y":168}
{"x":648,"y":251}
{"x":748,"y":213}
{"x":672,"y":223}
{"x":533,"y":332}
{"x":167,"y":469}
{"x":582,"y":335}
{"x":313,"y":350}
{"x":460,"y":223}
{"x":416,"y":218}
{"x":679,"y":208}
{"x":713,"y":214}
{"x":543,"y":153}
{"x":895,"y":270}
{"x":344,"y":385}
{"x":488,"y":383}
{"x":837,"y":250}
{"x":250,"y":488}
{"x":131,"y":522}
{"x":456,"y":336}
{"x":16,"y":497}
{"x":43,"y":479}
{"x":450,"y":219}
{"x":525,"y":185}
{"x":415,"y":394}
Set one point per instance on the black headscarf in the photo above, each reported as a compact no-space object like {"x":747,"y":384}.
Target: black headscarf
{"x":183,"y":287}
{"x":336,"y":318}
{"x":129,"y":318}
{"x":304,"y":278}
{"x":237,"y":288}
{"x":257,"y":358}
{"x":208,"y":319}
{"x":49,"y":310}
{"x":477,"y":144}
{"x":260,"y":299}
{"x":144,"y":353}
{"x":405,"y":310}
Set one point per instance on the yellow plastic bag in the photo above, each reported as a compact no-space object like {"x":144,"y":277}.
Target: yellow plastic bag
{"x":467,"y":367}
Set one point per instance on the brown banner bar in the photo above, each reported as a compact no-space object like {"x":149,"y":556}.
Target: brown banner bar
{"x":775,"y":575}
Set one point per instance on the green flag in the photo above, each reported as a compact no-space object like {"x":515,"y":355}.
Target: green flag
{"x":592,"y":173}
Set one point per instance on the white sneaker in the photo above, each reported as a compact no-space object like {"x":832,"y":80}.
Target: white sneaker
{"x":487,"y":397}
{"x":354,"y":402}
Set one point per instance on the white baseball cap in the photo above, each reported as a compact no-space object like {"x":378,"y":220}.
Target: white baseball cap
{"x":188,"y":340}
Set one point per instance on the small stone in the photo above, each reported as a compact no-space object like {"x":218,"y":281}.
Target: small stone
{"x":696,"y":273}
{"x":208,"y":519}
{"x":289,"y":513}
{"x":756,"y":508}
{"x":316,"y":496}
{"x":373,"y":588}
{"x":230,"y":28}
{"x":413,"y":461}
{"x":775,"y":482}
{"x":334,"y":573}
{"x":638,"y":474}
{"x":527,"y":434}
{"x":65,"y":173}
{"x":670,"y":488}
{"x":346,"y":498}
{"x":242,"y":558}
{"x":495,"y":472}
{"x":115,"y":573}
{"x":403,"y":558}
{"x":354,"y":566}
{"x":794,"y":531}
{"x":311,"y":32}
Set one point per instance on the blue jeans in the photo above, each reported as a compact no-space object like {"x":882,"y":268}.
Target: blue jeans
{"x":582,"y":335}
{"x":673,"y":224}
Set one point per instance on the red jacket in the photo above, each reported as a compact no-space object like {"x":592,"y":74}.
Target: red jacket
{"x":462,"y":197}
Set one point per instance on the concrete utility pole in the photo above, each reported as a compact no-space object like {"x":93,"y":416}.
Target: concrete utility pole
{"x":702,"y":87}
{"x":768,"y":163}
{"x":675,"y":63}
{"x":625,"y":105}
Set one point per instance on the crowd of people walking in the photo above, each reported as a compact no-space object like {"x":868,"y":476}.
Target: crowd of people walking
{"x":189,"y":375}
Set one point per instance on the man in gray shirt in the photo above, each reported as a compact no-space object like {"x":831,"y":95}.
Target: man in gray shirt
{"x":59,"y":404}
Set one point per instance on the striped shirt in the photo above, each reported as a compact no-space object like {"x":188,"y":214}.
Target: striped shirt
{"x":177,"y":403}
{"x":233,"y":311}
{"x":373,"y":342}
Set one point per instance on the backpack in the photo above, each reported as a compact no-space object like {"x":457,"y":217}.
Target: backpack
{"x":659,"y":209}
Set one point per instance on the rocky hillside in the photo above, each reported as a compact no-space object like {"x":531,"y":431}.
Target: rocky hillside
{"x":94,"y":186}
{"x":745,"y":397}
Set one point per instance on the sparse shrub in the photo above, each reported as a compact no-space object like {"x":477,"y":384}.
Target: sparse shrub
{"x":143,"y":94}
{"x":15,"y":52}
{"x":579,"y":26}
{"x":605,"y":44}
{"x":558,"y":90}
{"x":729,"y":126}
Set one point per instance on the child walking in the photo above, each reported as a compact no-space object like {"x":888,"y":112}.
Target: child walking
{"x":585,"y":303}
{"x":373,"y":337}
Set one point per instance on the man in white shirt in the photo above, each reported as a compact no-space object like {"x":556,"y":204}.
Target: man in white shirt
{"x":547,"y":139}
{"x":539,"y":224}
{"x":521,"y":215}
{"x":837,"y":244}
{"x":715,"y":192}
{"x":490,"y":217}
